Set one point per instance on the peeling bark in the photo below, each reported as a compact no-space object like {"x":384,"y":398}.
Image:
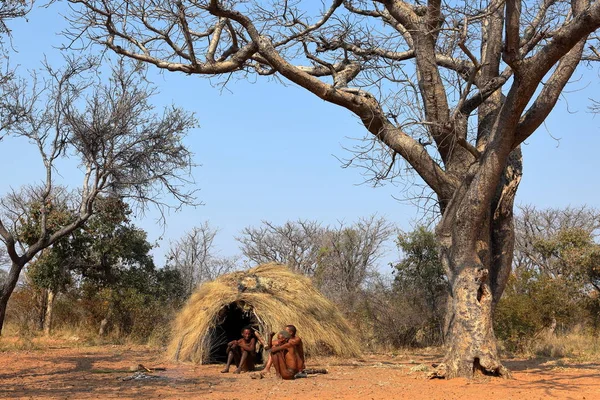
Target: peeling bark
{"x":478,"y":274}
{"x":502,"y":230}
{"x":470,"y":337}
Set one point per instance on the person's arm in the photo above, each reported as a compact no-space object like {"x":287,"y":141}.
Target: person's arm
{"x":284,"y":346}
{"x":248,"y":346}
{"x":270,"y":344}
{"x":260,"y":339}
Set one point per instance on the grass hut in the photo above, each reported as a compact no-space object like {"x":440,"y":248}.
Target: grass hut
{"x":267,"y":298}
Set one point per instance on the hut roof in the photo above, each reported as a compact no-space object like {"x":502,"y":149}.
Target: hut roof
{"x":270,"y":296}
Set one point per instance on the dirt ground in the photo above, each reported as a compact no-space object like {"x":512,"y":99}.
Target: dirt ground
{"x":62,"y":371}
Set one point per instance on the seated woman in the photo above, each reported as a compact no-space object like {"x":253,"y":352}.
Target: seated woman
{"x":242,"y":352}
{"x":284,"y":356}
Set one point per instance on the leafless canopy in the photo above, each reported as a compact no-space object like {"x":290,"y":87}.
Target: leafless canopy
{"x":349,"y":256}
{"x":295,"y":244}
{"x":123,"y":146}
{"x":196,"y":259}
{"x":364,"y":55}
{"x":339,"y":258}
{"x":10,"y":9}
{"x":534,"y":226}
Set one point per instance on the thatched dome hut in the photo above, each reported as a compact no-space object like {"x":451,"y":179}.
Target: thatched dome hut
{"x":267,"y":297}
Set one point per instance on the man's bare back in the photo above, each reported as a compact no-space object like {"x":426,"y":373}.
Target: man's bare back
{"x":296,"y":341}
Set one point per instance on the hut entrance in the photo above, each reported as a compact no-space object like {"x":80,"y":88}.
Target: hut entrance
{"x":232,"y":319}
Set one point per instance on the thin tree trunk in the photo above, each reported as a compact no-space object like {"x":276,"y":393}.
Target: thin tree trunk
{"x":7,"y":289}
{"x":49,"y":312}
{"x":105,"y":321}
{"x":42,"y":309}
{"x":103,"y":324}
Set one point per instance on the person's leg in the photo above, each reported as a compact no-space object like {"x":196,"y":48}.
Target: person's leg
{"x":267,"y":367}
{"x":278,"y":362}
{"x":269,"y":363}
{"x":229,"y":361}
{"x":242,"y":363}
{"x":281,"y":367}
{"x":237,"y":356}
{"x":250,"y":363}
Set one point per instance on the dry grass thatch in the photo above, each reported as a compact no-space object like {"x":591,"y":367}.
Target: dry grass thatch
{"x":274,"y":296}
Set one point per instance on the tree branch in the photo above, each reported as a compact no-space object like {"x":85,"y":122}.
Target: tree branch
{"x":362,"y":104}
{"x":564,"y":39}
{"x":512,"y":25}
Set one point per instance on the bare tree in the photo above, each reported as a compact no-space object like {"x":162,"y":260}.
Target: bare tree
{"x":194,"y":257}
{"x":539,"y":234}
{"x":452,"y":89}
{"x":338,"y":259}
{"x":295,"y":244}
{"x":347,"y":256}
{"x":124,"y":148}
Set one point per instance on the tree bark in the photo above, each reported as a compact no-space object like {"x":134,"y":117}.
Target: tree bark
{"x":105,"y":321}
{"x":42,"y":311}
{"x":471,"y":344}
{"x":7,"y":289}
{"x":478,"y":274}
{"x":49,"y":312}
{"x":502,"y":228}
{"x":469,"y":334}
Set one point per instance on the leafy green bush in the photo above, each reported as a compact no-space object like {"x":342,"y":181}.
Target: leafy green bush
{"x":534,"y":304}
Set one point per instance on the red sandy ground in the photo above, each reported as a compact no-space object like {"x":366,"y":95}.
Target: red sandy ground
{"x":62,"y":371}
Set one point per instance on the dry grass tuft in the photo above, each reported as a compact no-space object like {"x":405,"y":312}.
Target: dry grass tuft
{"x":580,"y":346}
{"x":276,"y":297}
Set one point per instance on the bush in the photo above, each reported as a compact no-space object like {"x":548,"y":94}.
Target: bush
{"x":139,"y":308}
{"x":534,"y":305}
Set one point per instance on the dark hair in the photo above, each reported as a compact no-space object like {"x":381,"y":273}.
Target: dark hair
{"x":292,"y":328}
{"x":249,"y":328}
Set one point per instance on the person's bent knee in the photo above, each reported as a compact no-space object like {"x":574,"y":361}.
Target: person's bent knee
{"x":289,"y":374}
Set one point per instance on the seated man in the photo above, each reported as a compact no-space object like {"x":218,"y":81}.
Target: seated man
{"x":242,"y":351}
{"x":294,"y":340}
{"x":297,"y":342}
{"x":284,"y":356}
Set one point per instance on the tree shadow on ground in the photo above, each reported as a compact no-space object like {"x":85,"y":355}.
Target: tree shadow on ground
{"x":544,"y":364}
{"x":79,"y":376}
{"x":556,"y":375}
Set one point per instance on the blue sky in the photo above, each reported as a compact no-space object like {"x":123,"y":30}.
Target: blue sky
{"x":267,"y":152}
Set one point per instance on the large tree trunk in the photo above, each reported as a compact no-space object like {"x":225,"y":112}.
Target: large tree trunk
{"x":478,"y":273}
{"x":7,"y":289}
{"x":470,"y":336}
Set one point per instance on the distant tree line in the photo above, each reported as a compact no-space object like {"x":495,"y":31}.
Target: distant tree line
{"x":106,"y":270}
